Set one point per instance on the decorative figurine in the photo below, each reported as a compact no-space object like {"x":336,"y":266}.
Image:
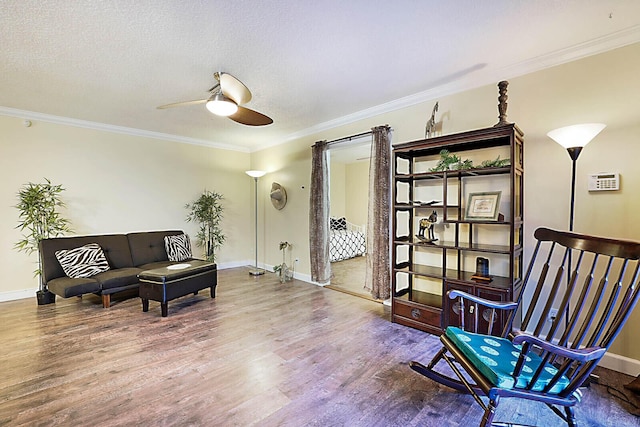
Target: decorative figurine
{"x":427,"y":224}
{"x":430,"y":128}
{"x":502,"y":103}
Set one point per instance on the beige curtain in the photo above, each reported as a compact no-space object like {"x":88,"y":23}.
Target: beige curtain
{"x":319,"y":214}
{"x":378,"y":276}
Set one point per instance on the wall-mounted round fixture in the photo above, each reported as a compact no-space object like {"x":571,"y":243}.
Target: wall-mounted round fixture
{"x":278,"y":196}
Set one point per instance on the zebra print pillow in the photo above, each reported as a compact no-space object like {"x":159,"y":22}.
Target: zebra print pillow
{"x":85,"y":261}
{"x":178,"y":247}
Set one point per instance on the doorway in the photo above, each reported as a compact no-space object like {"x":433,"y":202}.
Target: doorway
{"x":349,"y":198}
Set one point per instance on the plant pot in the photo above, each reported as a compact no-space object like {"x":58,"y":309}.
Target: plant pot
{"x":45,"y":297}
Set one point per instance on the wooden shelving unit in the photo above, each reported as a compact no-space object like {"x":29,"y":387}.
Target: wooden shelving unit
{"x":424,"y":272}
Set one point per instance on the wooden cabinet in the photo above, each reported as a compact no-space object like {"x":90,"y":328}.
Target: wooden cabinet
{"x":479,"y":213}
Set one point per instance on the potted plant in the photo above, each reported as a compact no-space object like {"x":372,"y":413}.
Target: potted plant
{"x":448,"y":161}
{"x":39,"y":217}
{"x":207,"y":211}
{"x":282,"y":269}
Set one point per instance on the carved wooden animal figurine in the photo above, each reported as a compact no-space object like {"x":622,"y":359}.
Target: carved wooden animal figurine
{"x":431,"y":123}
{"x":427,"y":224}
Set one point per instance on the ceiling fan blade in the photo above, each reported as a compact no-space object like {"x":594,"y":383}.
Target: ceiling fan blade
{"x":250,"y":117}
{"x":234,"y":89}
{"x":183,"y":103}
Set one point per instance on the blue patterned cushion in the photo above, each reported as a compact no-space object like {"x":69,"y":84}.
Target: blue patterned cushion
{"x":496,"y":358}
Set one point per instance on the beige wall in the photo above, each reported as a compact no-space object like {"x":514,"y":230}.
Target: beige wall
{"x":357,"y":192}
{"x":115,"y":183}
{"x":337,"y":189}
{"x":602,"y":88}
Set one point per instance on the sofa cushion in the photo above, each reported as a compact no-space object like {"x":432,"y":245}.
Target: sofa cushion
{"x":114,"y":246}
{"x":67,"y":287}
{"x":118,"y":278}
{"x":82,"y":262}
{"x":148,"y":247}
{"x":178,"y":247}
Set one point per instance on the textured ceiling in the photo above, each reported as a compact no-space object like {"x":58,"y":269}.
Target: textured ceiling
{"x":310,"y":65}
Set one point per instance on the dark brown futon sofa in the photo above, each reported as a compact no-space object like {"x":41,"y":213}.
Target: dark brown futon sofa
{"x":127,"y":254}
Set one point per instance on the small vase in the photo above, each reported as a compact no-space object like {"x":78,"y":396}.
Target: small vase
{"x":283,"y":272}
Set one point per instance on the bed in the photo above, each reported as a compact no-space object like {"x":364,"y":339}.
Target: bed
{"x":346,"y":240}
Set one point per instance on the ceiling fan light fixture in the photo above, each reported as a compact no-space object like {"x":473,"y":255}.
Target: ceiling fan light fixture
{"x":220,"y":105}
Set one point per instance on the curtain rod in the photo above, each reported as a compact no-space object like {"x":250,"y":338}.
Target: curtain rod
{"x":349,"y":138}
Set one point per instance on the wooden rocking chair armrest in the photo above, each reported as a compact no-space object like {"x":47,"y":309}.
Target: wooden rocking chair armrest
{"x":580,"y":355}
{"x":488,"y":303}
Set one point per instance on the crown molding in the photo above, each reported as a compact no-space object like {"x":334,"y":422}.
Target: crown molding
{"x":469,"y":81}
{"x":30,"y":115}
{"x":596,"y":46}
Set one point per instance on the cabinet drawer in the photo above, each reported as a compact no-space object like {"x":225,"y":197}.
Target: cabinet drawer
{"x":418,"y":313}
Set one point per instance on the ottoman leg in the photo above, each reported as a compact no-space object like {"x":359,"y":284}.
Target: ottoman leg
{"x":165,"y":309}
{"x":145,"y":305}
{"x":213,"y":291}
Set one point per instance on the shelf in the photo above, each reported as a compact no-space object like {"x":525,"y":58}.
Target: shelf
{"x":407,"y":177}
{"x":405,"y":206}
{"x":424,"y":298}
{"x":423,"y":270}
{"x":499,"y":282}
{"x":496,"y":249}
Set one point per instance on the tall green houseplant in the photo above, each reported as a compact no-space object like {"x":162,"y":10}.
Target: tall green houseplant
{"x":207,"y":212}
{"x":39,"y":219}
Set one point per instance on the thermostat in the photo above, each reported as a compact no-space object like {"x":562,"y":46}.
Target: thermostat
{"x":604,"y":182}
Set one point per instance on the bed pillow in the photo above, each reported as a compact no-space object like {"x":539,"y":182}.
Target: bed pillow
{"x":338,"y":223}
{"x":178,"y":247}
{"x":82,"y":262}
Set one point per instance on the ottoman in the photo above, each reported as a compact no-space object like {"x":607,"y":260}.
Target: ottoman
{"x":177,"y":280}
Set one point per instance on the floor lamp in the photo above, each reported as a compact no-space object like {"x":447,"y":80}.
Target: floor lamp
{"x":574,"y":138}
{"x":255,"y":271}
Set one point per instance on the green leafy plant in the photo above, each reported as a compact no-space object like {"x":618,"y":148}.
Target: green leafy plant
{"x":496,"y":163}
{"x":39,"y":218}
{"x":207,"y":212}
{"x":446,"y":160}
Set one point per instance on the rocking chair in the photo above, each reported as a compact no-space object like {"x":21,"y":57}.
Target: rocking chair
{"x":539,"y":357}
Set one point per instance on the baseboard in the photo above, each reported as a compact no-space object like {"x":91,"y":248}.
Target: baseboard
{"x":623,"y":364}
{"x":233,"y":264}
{"x":15,"y":295}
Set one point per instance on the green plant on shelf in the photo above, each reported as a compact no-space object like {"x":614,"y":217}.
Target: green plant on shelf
{"x":447,"y":161}
{"x":496,"y":163}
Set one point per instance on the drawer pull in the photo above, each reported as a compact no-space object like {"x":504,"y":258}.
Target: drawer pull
{"x":415,"y":313}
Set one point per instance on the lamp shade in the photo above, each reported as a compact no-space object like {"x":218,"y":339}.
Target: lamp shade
{"x":576,"y":135}
{"x":255,"y":173}
{"x":220,"y":105}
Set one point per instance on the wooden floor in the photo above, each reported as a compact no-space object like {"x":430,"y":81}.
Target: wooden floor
{"x":349,"y":276}
{"x":261,"y":353}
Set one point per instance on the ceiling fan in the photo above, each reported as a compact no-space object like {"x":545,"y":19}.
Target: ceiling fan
{"x":226,"y":99}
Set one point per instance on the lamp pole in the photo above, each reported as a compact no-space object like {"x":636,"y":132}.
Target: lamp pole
{"x":574,"y":152}
{"x":255,"y":174}
{"x":574,"y":138}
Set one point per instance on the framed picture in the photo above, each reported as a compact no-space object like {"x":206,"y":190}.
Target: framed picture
{"x":483,"y":206}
